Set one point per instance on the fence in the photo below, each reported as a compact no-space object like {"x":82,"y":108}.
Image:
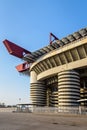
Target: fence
{"x":8,"y":109}
{"x":70,"y":110}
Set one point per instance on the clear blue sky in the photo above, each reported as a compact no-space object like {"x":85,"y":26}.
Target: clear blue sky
{"x":28,"y":24}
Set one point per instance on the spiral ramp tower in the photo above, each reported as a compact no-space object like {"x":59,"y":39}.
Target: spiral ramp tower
{"x":48,"y":94}
{"x":37,"y":91}
{"x":54,"y":99}
{"x":83,"y":96}
{"x":83,"y":89}
{"x":68,"y":88}
{"x":38,"y":94}
{"x":52,"y":91}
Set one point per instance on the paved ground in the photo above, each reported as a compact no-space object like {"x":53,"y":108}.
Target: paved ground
{"x":28,"y":121}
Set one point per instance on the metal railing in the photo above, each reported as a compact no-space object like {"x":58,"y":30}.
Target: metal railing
{"x":12,"y":109}
{"x":54,"y":110}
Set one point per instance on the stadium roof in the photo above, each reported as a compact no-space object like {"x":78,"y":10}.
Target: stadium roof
{"x":56,"y":44}
{"x":31,"y":57}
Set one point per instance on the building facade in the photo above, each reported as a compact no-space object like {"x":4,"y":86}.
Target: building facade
{"x":58,"y":72}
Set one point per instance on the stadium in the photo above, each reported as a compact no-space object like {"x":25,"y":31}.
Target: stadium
{"x":58,"y":71}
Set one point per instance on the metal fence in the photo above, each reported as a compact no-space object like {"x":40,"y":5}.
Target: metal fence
{"x":54,"y":110}
{"x":12,"y":109}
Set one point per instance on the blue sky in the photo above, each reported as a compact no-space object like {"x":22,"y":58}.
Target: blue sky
{"x":28,"y":24}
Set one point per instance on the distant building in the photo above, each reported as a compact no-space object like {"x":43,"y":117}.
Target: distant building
{"x":58,"y":72}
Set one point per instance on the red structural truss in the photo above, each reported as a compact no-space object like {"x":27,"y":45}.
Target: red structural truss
{"x":52,"y":38}
{"x":15,"y":50}
{"x":22,"y":67}
{"x":19,"y":52}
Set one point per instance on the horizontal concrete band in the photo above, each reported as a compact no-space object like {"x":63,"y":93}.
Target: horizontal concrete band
{"x":68,"y":83}
{"x":69,"y":72}
{"x":63,"y":79}
{"x":69,"y":77}
{"x":68,"y":86}
{"x":38,"y":100}
{"x":68,"y":100}
{"x":68,"y":89}
{"x":36,"y":84}
{"x":54,"y":95}
{"x":69,"y":93}
{"x":38,"y":92}
{"x":38,"y":95}
{"x":68,"y":96}
{"x":67,"y":104}
{"x":54,"y":100}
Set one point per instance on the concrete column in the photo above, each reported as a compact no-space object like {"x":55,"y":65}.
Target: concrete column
{"x":37,"y":90}
{"x":52,"y":91}
{"x":54,"y":99}
{"x":48,"y":97}
{"x":33,"y":77}
{"x":68,"y":89}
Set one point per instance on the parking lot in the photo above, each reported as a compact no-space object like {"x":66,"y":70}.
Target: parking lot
{"x":29,"y":121}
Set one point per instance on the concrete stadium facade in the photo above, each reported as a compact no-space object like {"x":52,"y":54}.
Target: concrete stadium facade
{"x":58,"y":72}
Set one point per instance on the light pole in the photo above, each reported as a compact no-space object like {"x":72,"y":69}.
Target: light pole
{"x":19,"y":100}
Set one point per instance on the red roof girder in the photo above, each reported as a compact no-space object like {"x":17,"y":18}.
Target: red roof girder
{"x":15,"y":50}
{"x":22,"y":67}
{"x":52,"y":36}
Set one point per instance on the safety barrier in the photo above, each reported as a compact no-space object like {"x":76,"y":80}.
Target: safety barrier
{"x":47,"y":110}
{"x":12,"y":109}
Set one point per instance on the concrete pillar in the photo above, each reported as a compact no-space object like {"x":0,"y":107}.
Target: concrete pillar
{"x":68,"y":89}
{"x":54,"y":99}
{"x":52,"y":91}
{"x":33,"y":77}
{"x":37,"y":90}
{"x":48,"y":92}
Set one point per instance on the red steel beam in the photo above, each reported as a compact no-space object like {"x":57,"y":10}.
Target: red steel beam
{"x":22,"y":67}
{"x":52,"y":36}
{"x":15,"y":50}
